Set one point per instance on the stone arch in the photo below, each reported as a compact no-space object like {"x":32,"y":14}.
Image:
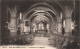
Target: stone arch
{"x":46,"y":8}
{"x":43,"y":6}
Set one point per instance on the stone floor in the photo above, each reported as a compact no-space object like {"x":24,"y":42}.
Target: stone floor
{"x":42,"y":42}
{"x":39,"y":40}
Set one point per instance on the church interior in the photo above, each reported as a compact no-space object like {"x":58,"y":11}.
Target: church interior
{"x":40,"y":22}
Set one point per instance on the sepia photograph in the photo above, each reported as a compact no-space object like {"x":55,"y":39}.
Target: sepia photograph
{"x":39,"y":24}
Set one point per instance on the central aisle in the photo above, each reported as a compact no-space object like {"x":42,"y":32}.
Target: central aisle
{"x":42,"y":42}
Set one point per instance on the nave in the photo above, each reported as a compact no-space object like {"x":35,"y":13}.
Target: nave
{"x":46,"y":23}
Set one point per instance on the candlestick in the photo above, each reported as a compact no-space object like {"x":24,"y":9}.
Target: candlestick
{"x":20,"y":15}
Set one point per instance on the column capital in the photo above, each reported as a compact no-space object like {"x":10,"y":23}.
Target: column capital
{"x":68,"y":11}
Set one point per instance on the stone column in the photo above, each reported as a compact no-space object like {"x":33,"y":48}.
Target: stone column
{"x":13,"y":27}
{"x":68,"y":21}
{"x":13,"y":22}
{"x":60,"y":24}
{"x":60,"y":28}
{"x":68,"y":29}
{"x":21,"y":23}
